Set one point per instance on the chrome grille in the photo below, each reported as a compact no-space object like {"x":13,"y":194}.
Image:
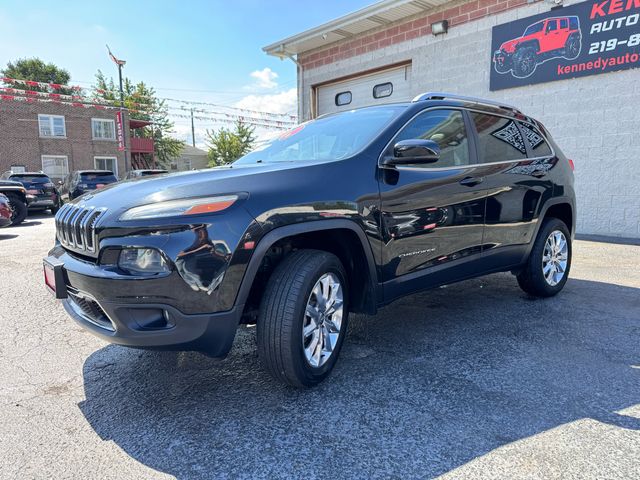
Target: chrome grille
{"x":75,"y":227}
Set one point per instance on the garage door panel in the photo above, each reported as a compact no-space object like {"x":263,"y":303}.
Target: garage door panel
{"x":361,"y":90}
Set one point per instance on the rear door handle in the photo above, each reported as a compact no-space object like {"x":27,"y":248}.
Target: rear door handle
{"x":471,"y":181}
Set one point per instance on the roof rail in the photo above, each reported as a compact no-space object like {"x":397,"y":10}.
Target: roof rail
{"x":453,"y":96}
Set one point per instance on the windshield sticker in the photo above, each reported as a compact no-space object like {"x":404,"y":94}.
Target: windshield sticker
{"x":292,"y":132}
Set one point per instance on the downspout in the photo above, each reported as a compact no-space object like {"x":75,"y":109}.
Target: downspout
{"x":299,"y":82}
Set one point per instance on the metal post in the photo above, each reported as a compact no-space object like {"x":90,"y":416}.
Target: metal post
{"x":193,"y":131}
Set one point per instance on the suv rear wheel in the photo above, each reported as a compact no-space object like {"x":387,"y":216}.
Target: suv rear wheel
{"x":303,"y":318}
{"x":572,"y":47}
{"x":548,"y":266}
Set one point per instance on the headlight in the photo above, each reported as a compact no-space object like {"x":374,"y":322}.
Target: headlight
{"x":176,"y":208}
{"x":142,"y":260}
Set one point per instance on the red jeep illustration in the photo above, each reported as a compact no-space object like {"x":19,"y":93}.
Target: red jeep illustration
{"x":549,"y":38}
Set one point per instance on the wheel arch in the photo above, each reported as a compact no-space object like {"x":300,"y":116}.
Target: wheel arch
{"x":344,"y":238}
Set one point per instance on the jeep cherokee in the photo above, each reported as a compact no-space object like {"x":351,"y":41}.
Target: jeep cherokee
{"x":342,"y":214}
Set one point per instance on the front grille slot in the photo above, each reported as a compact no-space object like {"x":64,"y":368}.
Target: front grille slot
{"x":89,"y":309}
{"x":76,"y":227}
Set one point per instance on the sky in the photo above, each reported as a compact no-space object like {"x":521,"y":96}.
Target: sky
{"x":208,"y":51}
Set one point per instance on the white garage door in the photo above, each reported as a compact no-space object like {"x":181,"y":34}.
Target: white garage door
{"x":388,"y":86}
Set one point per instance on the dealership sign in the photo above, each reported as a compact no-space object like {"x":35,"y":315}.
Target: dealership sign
{"x":587,"y":38}
{"x":120,"y":130}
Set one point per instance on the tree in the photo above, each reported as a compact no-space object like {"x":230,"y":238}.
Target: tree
{"x":38,"y":71}
{"x":226,"y":146}
{"x":143,"y":104}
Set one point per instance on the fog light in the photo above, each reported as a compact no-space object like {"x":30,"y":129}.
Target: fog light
{"x":142,"y":260}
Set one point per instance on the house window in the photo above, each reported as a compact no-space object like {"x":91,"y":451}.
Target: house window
{"x":187,"y":164}
{"x":106,"y":163}
{"x":103,"y":129}
{"x":55,"y":166}
{"x":52,"y":126}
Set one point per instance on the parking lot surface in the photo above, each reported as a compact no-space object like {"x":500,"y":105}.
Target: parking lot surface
{"x":474,"y":380}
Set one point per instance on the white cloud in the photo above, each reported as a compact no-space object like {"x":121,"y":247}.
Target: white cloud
{"x":266,"y":78}
{"x":284,"y":102}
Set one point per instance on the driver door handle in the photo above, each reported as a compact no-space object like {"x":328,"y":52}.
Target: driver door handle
{"x":471,"y":181}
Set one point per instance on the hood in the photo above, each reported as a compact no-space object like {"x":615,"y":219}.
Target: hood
{"x":10,"y":183}
{"x":510,"y":45}
{"x":121,"y":196}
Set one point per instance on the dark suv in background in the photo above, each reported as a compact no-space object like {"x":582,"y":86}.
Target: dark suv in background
{"x":82,"y":181}
{"x":42,"y":194}
{"x":342,"y":214}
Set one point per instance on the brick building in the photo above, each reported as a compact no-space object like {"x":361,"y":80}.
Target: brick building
{"x":389,"y":52}
{"x":59,"y":139}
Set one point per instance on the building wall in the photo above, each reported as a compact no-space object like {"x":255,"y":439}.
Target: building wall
{"x":21,"y":144}
{"x":191,"y":158}
{"x":594,"y":119}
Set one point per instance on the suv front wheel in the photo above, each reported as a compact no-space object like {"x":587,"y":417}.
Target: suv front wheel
{"x":303,"y":318}
{"x":547,"y":268}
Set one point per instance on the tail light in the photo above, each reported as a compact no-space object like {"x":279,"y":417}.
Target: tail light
{"x":573,"y":167}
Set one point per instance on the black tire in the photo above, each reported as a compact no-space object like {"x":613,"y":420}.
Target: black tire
{"x":19,"y":210}
{"x":573,"y":46}
{"x":531,"y":279}
{"x":282,"y":314}
{"x":55,"y":209}
{"x":525,"y":61}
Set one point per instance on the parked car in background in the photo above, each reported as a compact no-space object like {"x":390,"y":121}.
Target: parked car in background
{"x":82,"y":181}
{"x":42,"y":194}
{"x":345,"y":213}
{"x":5,"y":211}
{"x":143,"y":173}
{"x":17,"y":195}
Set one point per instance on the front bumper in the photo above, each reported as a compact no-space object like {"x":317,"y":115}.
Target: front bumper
{"x":150,"y":319}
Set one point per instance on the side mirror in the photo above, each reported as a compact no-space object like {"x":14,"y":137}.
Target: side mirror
{"x":413,"y":151}
{"x":60,"y":182}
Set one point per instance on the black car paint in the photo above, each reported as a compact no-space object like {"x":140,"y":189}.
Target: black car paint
{"x":46,"y":195}
{"x":72,"y":187}
{"x":387,"y":209}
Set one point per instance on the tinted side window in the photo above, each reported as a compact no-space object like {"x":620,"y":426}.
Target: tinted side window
{"x":498,"y":138}
{"x":538,"y":145}
{"x":446,"y":128}
{"x":564,"y":23}
{"x":552,"y":25}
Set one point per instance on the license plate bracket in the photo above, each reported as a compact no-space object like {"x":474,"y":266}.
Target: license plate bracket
{"x":54,"y":277}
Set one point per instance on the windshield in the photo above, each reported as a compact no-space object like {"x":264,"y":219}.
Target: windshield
{"x":102,"y":177}
{"x":333,"y":137}
{"x":30,"y":178}
{"x":535,"y":28}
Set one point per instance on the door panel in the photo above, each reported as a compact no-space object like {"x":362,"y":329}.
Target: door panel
{"x":431,"y":214}
{"x":515,"y":183}
{"x":429,"y":219}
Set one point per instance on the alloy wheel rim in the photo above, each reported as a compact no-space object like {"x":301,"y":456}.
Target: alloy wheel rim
{"x":555,"y":258}
{"x":322,"y":324}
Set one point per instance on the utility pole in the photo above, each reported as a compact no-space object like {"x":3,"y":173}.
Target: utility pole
{"x":120,"y":64}
{"x":193,"y":131}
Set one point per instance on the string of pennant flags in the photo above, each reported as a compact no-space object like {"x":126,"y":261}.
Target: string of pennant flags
{"x":79,"y":99}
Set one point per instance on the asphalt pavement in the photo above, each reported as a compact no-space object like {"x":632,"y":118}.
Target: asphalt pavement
{"x":473,"y":380}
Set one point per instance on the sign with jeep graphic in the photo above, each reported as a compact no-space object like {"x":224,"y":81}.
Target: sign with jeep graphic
{"x":587,"y":38}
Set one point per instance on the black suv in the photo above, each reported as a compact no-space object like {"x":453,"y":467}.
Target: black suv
{"x":342,"y":214}
{"x":82,"y":181}
{"x":41,"y":192}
